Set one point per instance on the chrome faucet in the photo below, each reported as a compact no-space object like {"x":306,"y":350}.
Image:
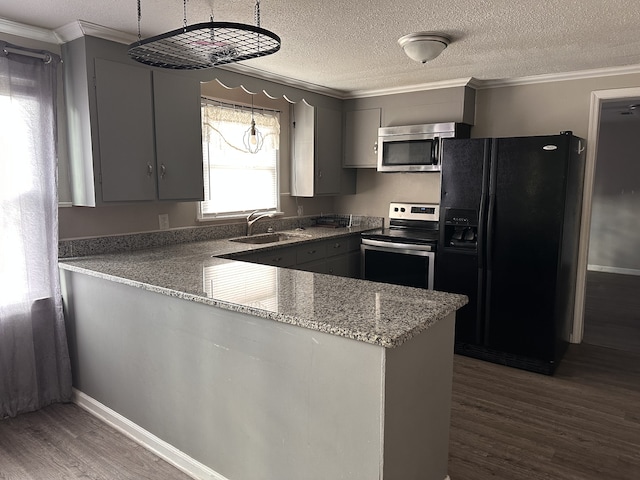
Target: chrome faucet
{"x":251,"y":221}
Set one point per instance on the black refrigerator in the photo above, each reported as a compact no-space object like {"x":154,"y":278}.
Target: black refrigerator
{"x":509,"y":232}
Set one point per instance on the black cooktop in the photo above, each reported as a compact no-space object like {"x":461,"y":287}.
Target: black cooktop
{"x":407,"y":235}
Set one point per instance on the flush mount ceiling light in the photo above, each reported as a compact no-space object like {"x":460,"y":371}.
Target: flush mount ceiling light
{"x":424,"y":46}
{"x":205,"y":45}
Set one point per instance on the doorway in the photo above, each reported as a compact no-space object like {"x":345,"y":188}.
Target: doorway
{"x":609,"y":278}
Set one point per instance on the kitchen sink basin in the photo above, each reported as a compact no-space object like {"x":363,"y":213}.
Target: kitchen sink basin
{"x":269,"y":238}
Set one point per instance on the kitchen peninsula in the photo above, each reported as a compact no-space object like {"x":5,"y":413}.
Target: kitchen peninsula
{"x":253,"y":371}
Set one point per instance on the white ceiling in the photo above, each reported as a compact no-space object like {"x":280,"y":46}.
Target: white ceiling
{"x":351,"y":47}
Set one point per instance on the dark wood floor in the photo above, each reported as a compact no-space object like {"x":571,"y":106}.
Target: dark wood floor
{"x":62,"y":441}
{"x":612,"y":311}
{"x":581,"y":424}
{"x":507,"y":424}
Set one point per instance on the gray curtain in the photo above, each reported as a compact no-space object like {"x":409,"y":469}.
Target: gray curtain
{"x":34,"y":359}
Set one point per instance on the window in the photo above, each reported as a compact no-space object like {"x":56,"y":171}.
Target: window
{"x":25,"y":187}
{"x":237,"y":182}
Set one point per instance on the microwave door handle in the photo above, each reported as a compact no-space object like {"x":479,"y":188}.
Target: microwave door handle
{"x":435,"y":151}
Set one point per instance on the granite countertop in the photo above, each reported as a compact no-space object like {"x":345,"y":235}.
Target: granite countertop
{"x":381,"y":314}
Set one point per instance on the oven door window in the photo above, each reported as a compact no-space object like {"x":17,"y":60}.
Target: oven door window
{"x":412,"y":270}
{"x":409,"y":152}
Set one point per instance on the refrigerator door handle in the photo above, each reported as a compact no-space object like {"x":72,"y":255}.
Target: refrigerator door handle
{"x":435,"y":151}
{"x":490,"y":237}
{"x":482,"y":213}
{"x":482,"y":239}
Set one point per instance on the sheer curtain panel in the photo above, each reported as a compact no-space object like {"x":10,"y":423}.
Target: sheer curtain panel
{"x":34,"y":360}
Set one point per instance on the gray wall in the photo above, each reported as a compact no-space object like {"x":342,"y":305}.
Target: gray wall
{"x":615,"y":216}
{"x":542,"y":108}
{"x":520,"y":110}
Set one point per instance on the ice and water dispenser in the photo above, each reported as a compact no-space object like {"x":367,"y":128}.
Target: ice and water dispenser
{"x":461,"y":229}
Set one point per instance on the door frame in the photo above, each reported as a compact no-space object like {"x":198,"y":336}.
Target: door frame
{"x":598,"y":97}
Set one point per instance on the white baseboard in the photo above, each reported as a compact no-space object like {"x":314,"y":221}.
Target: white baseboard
{"x":159,"y":447}
{"x":618,"y":270}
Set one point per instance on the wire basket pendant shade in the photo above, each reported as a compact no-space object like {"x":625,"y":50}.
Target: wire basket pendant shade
{"x":205,"y":45}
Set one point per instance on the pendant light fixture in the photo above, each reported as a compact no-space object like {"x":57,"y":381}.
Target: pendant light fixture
{"x":204,"y":45}
{"x":253,"y":138}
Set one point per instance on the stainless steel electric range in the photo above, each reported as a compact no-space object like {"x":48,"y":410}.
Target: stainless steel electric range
{"x":405,"y":252}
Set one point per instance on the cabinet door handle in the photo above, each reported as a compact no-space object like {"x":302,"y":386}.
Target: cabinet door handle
{"x":163,"y":171}
{"x":375,"y":148}
{"x":149,"y":169}
{"x":311,"y":252}
{"x":337,"y":245}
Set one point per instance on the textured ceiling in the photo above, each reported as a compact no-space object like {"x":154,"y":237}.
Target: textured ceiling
{"x":351,"y":46}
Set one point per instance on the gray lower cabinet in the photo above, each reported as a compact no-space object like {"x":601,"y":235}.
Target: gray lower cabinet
{"x":361,"y":138}
{"x":282,"y":257}
{"x":134,"y":132}
{"x":346,"y":265}
{"x":340,"y":256}
{"x":310,"y":255}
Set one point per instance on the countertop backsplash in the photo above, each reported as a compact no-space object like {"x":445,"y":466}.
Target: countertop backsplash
{"x":81,"y":247}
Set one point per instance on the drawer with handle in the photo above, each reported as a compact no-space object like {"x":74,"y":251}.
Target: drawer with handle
{"x":311,"y":251}
{"x":282,"y":257}
{"x":337,"y":246}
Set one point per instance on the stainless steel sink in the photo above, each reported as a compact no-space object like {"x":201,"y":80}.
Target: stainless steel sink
{"x":269,"y":238}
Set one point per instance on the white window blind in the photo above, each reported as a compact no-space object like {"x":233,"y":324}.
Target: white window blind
{"x":243,"y":284}
{"x":236,"y":181}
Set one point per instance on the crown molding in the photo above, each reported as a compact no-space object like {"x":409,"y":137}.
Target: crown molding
{"x":458,"y":82}
{"x":27,"y":31}
{"x":80,"y":28}
{"x":555,"y":77}
{"x":290,"y":82}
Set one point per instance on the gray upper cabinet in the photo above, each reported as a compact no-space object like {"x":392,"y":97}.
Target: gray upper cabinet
{"x":317,"y":153}
{"x":361,"y":138}
{"x":134,"y":132}
{"x":125,"y":141}
{"x":178,"y":136}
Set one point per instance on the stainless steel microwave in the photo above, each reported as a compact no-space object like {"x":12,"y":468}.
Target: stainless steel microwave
{"x":415,"y":148}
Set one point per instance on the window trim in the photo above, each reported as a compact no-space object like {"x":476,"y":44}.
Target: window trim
{"x":212,"y":217}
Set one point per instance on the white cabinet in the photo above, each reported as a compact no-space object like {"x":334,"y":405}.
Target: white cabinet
{"x":316,"y":166}
{"x":134,"y":132}
{"x":361,"y":138}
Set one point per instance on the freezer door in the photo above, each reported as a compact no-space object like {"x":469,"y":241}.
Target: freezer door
{"x":465,"y":172}
{"x":526,"y":210}
{"x":462,"y":173}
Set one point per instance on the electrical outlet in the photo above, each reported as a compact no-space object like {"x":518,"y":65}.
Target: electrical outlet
{"x":163,"y":220}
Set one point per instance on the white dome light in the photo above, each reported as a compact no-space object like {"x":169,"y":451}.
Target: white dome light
{"x":424,"y":46}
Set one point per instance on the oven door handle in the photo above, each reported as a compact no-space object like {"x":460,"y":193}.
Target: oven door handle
{"x":403,"y":246}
